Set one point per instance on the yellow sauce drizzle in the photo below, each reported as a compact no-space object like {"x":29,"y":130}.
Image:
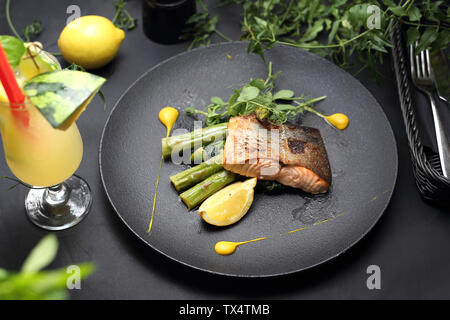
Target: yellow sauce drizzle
{"x":168,"y":116}
{"x":226,"y":248}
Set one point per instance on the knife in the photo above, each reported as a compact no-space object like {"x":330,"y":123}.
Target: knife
{"x":441,"y":70}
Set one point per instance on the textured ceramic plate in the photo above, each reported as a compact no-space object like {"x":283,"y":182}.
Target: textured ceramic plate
{"x":363,"y":159}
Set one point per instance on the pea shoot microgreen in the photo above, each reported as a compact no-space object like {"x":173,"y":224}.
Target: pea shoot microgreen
{"x":257,"y":96}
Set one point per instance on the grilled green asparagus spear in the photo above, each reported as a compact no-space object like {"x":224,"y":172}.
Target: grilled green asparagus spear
{"x":191,"y":176}
{"x":198,"y":137}
{"x":201,"y":191}
{"x":207,"y":152}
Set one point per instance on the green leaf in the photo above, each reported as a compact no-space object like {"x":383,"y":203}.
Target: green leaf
{"x":413,"y":34}
{"x":357,"y":16}
{"x":313,"y":31}
{"x":414,"y":14}
{"x":261,"y":22}
{"x":123,"y":19}
{"x":427,"y":38}
{"x":234,"y":97}
{"x":32,"y":30}
{"x":334,"y":30}
{"x":3,"y":274}
{"x":14,"y":49}
{"x":217,"y":100}
{"x":248,"y":93}
{"x":283,"y":94}
{"x":286,"y":107}
{"x":398,"y":11}
{"x":62,"y":95}
{"x":258,"y":83}
{"x":389,"y":3}
{"x":442,"y":40}
{"x":190,"y":111}
{"x":42,"y":254}
{"x":42,"y":285}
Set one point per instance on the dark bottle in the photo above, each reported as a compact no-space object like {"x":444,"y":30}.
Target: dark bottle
{"x":164,"y":20}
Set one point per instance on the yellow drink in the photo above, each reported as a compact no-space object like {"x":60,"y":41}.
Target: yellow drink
{"x":38,"y":154}
{"x":42,"y":156}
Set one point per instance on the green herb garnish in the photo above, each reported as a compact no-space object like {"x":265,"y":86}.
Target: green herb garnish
{"x":32,"y":30}
{"x":29,"y":31}
{"x":342,"y":24}
{"x":200,"y":27}
{"x":123,"y":19}
{"x":257,"y":97}
{"x":14,"y":49}
{"x":75,"y":67}
{"x":33,"y":284}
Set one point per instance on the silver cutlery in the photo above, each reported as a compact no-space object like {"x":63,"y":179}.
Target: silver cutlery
{"x":441,"y":74}
{"x":423,"y":78}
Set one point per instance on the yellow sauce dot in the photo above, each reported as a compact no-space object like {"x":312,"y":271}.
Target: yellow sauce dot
{"x":226,"y":248}
{"x":168,"y":116}
{"x":338,"y":120}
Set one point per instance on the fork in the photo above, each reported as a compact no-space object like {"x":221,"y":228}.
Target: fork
{"x":423,"y":78}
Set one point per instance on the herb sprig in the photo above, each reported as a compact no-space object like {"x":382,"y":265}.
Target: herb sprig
{"x":31,"y":283}
{"x":123,"y":19}
{"x":32,"y":30}
{"x":200,"y":27}
{"x":257,"y":97}
{"x":343,"y":23}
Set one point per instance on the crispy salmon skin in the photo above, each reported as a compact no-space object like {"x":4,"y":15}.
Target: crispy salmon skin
{"x":292,"y":155}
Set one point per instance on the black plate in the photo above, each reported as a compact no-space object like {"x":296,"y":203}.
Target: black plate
{"x":363,"y":160}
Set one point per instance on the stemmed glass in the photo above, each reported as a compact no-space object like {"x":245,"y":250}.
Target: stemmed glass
{"x":45,"y":159}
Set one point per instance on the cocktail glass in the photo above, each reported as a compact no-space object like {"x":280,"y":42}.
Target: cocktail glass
{"x":45,"y":159}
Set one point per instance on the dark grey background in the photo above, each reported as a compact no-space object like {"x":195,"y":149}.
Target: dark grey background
{"x":410,"y":242}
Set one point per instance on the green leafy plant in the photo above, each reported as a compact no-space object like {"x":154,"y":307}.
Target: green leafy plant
{"x":257,"y":96}
{"x":200,"y":27}
{"x":31,"y":283}
{"x":29,"y":31}
{"x":341,"y":23}
{"x":123,"y":19}
{"x":32,"y":30}
{"x":14,"y":49}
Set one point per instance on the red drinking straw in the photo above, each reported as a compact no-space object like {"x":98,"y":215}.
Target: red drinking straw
{"x":9,"y":82}
{"x":12,"y":89}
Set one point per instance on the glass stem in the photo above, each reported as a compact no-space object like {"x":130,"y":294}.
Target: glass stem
{"x":55,"y":198}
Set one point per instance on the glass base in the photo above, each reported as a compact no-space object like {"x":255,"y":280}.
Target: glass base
{"x":59,"y":207}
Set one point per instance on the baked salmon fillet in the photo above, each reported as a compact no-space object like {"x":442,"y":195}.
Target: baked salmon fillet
{"x":292,"y":155}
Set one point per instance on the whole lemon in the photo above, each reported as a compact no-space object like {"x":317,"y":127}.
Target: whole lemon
{"x":90,"y":41}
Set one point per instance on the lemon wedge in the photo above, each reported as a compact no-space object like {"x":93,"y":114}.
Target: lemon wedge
{"x":228,"y":205}
{"x":42,"y":62}
{"x":28,"y":68}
